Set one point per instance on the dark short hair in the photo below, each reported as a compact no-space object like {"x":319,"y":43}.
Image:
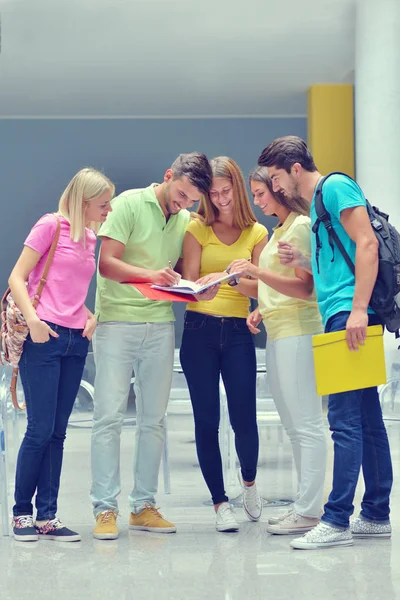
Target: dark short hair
{"x":284,"y":152}
{"x":197,"y":169}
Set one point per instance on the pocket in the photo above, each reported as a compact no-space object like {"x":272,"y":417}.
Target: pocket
{"x":193,"y":321}
{"x":240,"y":325}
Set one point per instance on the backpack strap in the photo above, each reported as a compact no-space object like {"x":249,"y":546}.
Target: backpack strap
{"x":324,"y":217}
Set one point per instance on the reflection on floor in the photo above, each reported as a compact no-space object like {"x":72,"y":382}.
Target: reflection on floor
{"x":197,"y":562}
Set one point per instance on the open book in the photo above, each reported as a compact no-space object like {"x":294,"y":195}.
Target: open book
{"x":189,"y":287}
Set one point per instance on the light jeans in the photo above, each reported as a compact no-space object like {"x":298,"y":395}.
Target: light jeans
{"x":290,"y":370}
{"x":148,"y":349}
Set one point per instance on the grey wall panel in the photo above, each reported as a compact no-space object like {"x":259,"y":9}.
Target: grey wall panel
{"x":38,"y":158}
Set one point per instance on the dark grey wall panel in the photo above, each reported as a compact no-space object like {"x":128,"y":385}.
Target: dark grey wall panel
{"x":38,"y":158}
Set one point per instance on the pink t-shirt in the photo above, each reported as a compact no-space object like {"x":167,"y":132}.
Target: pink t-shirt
{"x":64,"y":295}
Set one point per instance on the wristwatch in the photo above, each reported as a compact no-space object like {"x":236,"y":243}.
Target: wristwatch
{"x":232,"y":282}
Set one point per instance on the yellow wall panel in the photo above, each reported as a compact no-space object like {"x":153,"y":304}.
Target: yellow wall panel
{"x":331,"y":127}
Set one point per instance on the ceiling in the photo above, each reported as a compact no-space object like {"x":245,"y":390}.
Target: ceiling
{"x":147,"y":58}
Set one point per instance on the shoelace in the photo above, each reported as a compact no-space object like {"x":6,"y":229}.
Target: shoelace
{"x":227,"y":511}
{"x":154,"y":510}
{"x":106,"y":516}
{"x":25,"y":521}
{"x":320,"y":528}
{"x":54,"y":524}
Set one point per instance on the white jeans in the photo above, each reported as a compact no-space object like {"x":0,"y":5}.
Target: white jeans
{"x":290,"y":371}
{"x":148,"y":349}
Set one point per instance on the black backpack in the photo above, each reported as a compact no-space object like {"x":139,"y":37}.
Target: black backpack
{"x":385,"y":299}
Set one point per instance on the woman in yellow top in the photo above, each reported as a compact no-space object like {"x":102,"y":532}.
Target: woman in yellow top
{"x":216,"y":339}
{"x":289,"y":310}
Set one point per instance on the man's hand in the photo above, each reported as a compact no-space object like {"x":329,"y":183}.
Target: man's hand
{"x":243,"y":267}
{"x":356,"y":329}
{"x":165,"y":277}
{"x":253,"y":320}
{"x":90,"y":327}
{"x":291,"y":257}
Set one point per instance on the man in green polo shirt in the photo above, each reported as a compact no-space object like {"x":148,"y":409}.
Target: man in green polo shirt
{"x":142,"y":236}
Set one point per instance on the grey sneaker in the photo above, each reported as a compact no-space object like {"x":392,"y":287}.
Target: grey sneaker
{"x":364,"y":528}
{"x":323,"y":536}
{"x":252,"y":502}
{"x":292,"y":524}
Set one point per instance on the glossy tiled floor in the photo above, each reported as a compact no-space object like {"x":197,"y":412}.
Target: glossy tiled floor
{"x":197,"y":562}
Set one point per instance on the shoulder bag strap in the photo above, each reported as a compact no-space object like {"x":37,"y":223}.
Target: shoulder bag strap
{"x":49,"y":260}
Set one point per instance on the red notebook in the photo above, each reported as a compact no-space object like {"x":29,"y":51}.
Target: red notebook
{"x":146,"y":290}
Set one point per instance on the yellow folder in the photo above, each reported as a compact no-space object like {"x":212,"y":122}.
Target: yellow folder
{"x":339,"y":370}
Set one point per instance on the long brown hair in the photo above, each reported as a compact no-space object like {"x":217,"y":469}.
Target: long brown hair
{"x":296,"y":205}
{"x":243,"y":216}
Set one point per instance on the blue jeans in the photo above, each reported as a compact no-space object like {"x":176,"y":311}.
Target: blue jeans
{"x":210,"y":346}
{"x":360,"y":439}
{"x":50,"y":374}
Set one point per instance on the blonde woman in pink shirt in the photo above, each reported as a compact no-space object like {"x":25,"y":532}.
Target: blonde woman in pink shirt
{"x":55,"y":350}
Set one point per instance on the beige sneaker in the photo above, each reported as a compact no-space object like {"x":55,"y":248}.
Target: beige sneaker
{"x":150,"y":519}
{"x":292,"y":524}
{"x":106,"y":526}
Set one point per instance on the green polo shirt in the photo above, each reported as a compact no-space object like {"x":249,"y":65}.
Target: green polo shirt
{"x":138,"y":222}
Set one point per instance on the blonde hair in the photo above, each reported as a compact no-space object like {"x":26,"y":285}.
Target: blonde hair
{"x":243,"y":216}
{"x":87,"y":185}
{"x":297,"y":205}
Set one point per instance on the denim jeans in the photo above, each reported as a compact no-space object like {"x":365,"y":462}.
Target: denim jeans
{"x":120,"y":348}
{"x":210,"y":346}
{"x":360,"y":440}
{"x":50,"y":374}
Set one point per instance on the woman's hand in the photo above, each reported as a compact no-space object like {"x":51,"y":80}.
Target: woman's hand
{"x":210,"y":278}
{"x":243,"y":267}
{"x":208,"y":294}
{"x":253,"y":320}
{"x":90,"y":327}
{"x":40,"y":332}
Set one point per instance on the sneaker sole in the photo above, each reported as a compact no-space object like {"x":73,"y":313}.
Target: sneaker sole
{"x":225,"y":529}
{"x":56,"y":538}
{"x":385,"y":535}
{"x":26,"y":538}
{"x":319,"y":546}
{"x":105,"y":536}
{"x":279,"y":531}
{"x":153,"y":529}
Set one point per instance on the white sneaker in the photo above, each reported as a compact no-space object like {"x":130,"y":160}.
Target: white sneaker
{"x":225,"y":518}
{"x":279,"y":518}
{"x":323,"y":536}
{"x":364,"y":528}
{"x":252,"y":503}
{"x":293,"y":523}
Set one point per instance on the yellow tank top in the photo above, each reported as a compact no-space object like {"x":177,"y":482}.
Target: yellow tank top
{"x":215,"y":257}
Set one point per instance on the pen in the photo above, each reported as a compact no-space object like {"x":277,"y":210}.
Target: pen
{"x":228,"y":269}
{"x":170,"y":265}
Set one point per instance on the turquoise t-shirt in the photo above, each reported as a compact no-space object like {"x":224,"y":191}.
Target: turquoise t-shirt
{"x":335,"y":283}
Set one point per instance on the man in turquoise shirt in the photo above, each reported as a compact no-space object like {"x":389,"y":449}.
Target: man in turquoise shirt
{"x":141,"y":238}
{"x":355,"y":417}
